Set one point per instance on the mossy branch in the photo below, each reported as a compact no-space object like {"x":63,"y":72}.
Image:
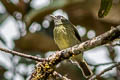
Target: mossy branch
{"x":45,"y":67}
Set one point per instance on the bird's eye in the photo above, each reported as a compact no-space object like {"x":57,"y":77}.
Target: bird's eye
{"x":62,"y":17}
{"x":58,"y":17}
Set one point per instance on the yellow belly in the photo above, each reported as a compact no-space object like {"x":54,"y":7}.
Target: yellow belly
{"x":64,"y":37}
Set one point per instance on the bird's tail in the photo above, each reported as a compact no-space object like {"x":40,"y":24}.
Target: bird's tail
{"x":85,"y":69}
{"x":81,"y":63}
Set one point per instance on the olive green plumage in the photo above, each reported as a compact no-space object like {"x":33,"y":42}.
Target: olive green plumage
{"x":65,"y":36}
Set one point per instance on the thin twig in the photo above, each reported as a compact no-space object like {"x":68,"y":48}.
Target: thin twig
{"x":102,"y":64}
{"x":59,"y":76}
{"x":23,"y":55}
{"x":105,"y":70}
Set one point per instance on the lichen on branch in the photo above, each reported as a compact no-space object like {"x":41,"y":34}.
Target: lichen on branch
{"x":75,"y":50}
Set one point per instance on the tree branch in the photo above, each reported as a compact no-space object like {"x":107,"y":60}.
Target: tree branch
{"x":23,"y":55}
{"x":11,"y":8}
{"x":107,"y":69}
{"x":102,"y":64}
{"x":42,"y":71}
{"x":45,"y":66}
{"x":59,"y":76}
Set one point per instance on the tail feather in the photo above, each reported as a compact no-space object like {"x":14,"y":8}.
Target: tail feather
{"x":81,"y":63}
{"x":85,"y":69}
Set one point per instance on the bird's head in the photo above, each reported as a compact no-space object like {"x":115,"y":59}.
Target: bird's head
{"x":59,"y":20}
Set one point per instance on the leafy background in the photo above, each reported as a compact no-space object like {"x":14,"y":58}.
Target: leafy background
{"x":25,"y":26}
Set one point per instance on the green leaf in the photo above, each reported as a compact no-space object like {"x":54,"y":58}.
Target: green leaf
{"x":105,"y":7}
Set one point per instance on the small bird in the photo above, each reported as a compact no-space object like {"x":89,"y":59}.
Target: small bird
{"x":65,"y":36}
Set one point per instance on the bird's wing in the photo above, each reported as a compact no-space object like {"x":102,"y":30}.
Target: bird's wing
{"x":76,"y":33}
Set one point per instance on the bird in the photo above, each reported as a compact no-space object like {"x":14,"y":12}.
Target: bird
{"x":66,"y":35}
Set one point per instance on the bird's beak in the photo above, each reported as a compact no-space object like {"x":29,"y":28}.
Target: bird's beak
{"x":53,"y":17}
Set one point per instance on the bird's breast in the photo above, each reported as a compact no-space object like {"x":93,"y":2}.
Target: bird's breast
{"x":64,"y":37}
